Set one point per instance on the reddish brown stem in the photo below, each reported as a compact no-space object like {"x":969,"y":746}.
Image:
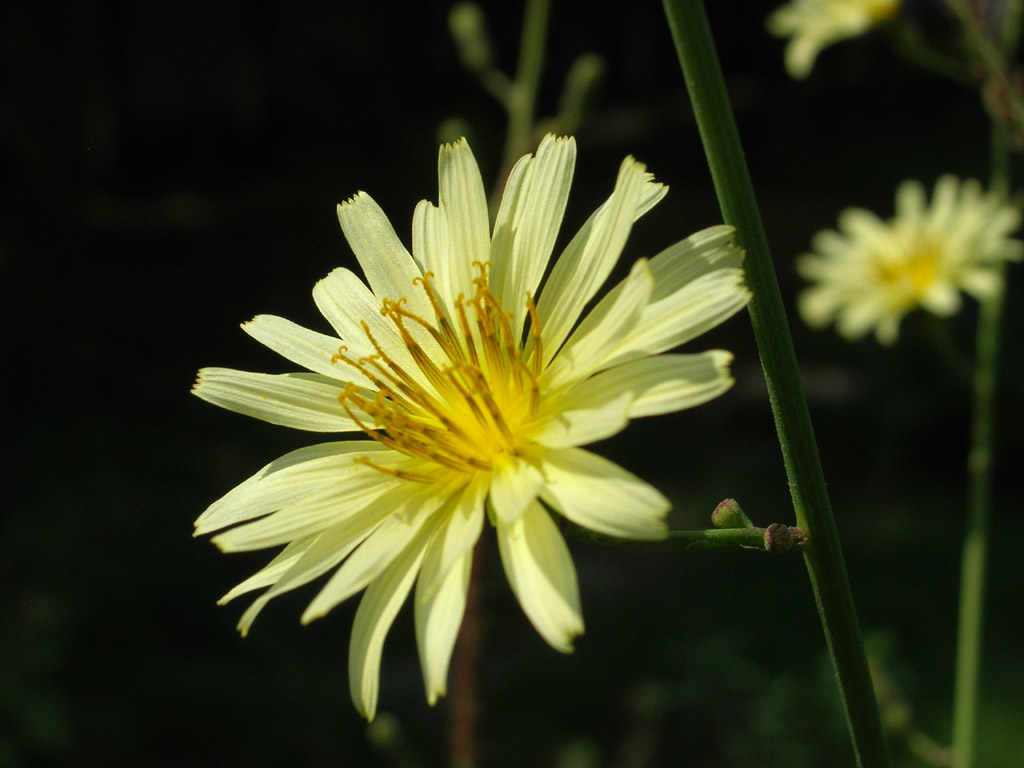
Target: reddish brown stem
{"x":465,"y":694}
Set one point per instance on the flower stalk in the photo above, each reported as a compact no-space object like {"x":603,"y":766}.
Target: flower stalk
{"x":979,"y":459}
{"x":824,"y":558}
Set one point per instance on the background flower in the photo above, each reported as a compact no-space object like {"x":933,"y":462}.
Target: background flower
{"x":871,"y":273}
{"x":813,"y":25}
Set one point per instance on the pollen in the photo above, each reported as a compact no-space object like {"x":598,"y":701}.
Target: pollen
{"x":482,"y":391}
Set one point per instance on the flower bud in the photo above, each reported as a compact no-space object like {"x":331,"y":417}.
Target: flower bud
{"x":778,"y":538}
{"x":469,"y":30}
{"x":729,"y":515}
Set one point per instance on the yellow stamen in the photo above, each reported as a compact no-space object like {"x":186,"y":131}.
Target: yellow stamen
{"x":459,"y":410}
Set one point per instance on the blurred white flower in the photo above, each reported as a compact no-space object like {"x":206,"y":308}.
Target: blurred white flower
{"x":871,"y":273}
{"x":813,"y":25}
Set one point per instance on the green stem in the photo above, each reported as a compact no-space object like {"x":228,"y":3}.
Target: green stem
{"x":979,"y":498}
{"x":975,"y":547}
{"x":823,"y":555}
{"x":522,"y":102}
{"x":774,"y":538}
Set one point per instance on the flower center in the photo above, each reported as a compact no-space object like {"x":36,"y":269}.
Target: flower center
{"x":909,"y":273}
{"x":480,"y":393}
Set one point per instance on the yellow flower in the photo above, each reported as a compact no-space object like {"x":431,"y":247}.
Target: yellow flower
{"x":871,"y":273}
{"x":472,"y":396}
{"x":816,"y":24}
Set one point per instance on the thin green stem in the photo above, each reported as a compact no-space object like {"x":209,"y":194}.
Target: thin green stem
{"x":979,"y":499}
{"x":979,"y":459}
{"x":522,"y":101}
{"x":975,"y":546}
{"x":774,"y":538}
{"x":527,"y":83}
{"x":823,"y":555}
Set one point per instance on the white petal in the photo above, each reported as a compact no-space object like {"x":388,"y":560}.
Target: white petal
{"x":602,"y":405}
{"x":457,"y":536}
{"x":289,"y":478}
{"x":694,"y":309}
{"x":299,"y":400}
{"x":272,"y":571}
{"x":324,"y":553}
{"x":432,"y":250}
{"x":589,"y":422}
{"x":674,"y":268}
{"x":376,"y":613}
{"x":406,"y":509}
{"x":538,"y":217}
{"x":347,"y":303}
{"x":600,"y":495}
{"x":685,"y":261}
{"x":463,"y":202}
{"x":313,"y":351}
{"x":588,"y":259}
{"x":439,"y":611}
{"x":504,"y":235}
{"x":350,"y":498}
{"x":981,"y":283}
{"x":659,"y":384}
{"x":542,"y":576}
{"x":514,"y":486}
{"x":388,"y":267}
{"x":590,"y":347}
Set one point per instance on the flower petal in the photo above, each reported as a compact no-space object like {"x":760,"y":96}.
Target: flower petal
{"x":313,"y":351}
{"x":432,"y":250}
{"x":603,"y":404}
{"x":289,"y":478}
{"x":542,"y":576}
{"x":388,"y":267}
{"x":586,"y":424}
{"x":514,"y":486}
{"x":600,"y":495}
{"x":540,"y":206}
{"x":272,"y":571}
{"x":463,"y":204}
{"x":660,"y":384}
{"x":692,"y":310}
{"x":355,"y":313}
{"x":588,"y":259}
{"x":457,"y":536}
{"x":299,"y":400}
{"x":439,"y":611}
{"x":588,"y":348}
{"x":325,"y":552}
{"x":405,"y":510}
{"x":346,"y":499}
{"x":376,"y":613}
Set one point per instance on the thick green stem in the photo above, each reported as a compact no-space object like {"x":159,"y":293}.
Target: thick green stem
{"x":823,"y":554}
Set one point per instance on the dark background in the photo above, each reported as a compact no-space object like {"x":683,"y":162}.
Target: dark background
{"x":171,"y":169}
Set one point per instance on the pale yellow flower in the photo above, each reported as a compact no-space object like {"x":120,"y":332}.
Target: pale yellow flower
{"x":472,"y":396}
{"x":813,"y":25}
{"x":871,"y":273}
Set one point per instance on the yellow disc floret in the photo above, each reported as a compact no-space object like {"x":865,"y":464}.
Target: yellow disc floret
{"x":481,"y":391}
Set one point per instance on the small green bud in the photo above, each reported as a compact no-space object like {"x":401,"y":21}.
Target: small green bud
{"x":385,"y":732}
{"x":778,"y":538}
{"x":581,"y":82}
{"x":468,"y":28}
{"x":729,"y":515}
